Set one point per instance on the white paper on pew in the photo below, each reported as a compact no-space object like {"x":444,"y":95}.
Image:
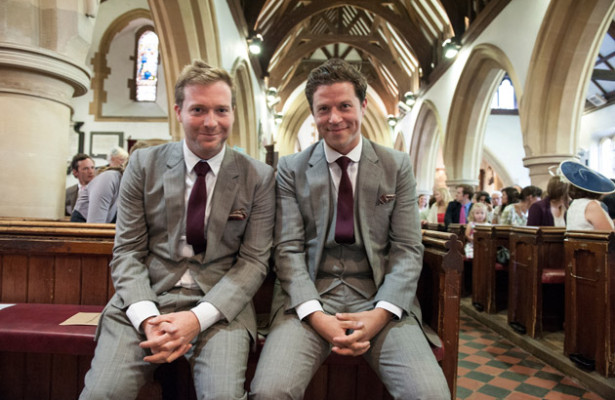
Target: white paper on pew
{"x":83,"y":318}
{"x":4,"y":305}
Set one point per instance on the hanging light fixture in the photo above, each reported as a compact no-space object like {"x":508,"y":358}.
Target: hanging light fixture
{"x":255,"y":44}
{"x":450,"y":47}
{"x":409,"y":99}
{"x":391,"y":120}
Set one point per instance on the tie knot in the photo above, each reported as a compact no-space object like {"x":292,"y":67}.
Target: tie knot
{"x":343,"y":162}
{"x":201,"y":168}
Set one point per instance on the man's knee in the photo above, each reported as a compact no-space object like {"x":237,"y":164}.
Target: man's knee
{"x":273,"y":390}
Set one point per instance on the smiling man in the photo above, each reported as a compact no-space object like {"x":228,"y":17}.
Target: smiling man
{"x":192,"y":245}
{"x":348,"y":254}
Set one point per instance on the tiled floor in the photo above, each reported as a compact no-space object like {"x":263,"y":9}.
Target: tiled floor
{"x":490,"y":367}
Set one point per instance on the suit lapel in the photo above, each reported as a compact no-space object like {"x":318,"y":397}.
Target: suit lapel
{"x":222,"y":201}
{"x":319,"y":183}
{"x":174,"y":182}
{"x":368,"y":181}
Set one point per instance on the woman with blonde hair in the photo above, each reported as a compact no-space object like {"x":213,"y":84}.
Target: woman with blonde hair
{"x":438,"y":209}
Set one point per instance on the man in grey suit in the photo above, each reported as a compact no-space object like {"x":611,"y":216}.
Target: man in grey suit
{"x":348,"y":267}
{"x":181,"y":292}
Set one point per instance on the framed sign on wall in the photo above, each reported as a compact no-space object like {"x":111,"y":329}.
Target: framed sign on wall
{"x":101,"y":143}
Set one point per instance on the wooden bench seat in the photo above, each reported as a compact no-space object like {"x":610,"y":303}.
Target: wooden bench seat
{"x":61,"y":263}
{"x":35,"y":328}
{"x":535,"y":270}
{"x":489,"y":278}
{"x":589,"y":335}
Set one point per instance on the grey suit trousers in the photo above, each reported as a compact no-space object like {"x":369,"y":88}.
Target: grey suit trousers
{"x":218,"y":357}
{"x":399,"y":354}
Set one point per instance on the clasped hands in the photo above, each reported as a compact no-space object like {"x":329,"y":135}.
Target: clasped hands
{"x":349,"y":333}
{"x":169,"y":335}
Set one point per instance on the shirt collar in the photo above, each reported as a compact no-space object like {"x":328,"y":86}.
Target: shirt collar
{"x":354,"y":154}
{"x":191,"y":159}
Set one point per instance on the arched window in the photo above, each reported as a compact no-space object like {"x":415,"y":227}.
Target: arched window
{"x":146,"y":65}
{"x":504,"y":98}
{"x":606,"y":148}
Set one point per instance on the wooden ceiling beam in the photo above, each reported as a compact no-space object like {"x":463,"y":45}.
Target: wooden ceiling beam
{"x":418,"y":43}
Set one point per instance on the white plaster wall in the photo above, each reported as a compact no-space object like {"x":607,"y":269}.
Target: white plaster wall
{"x":596,"y":125}
{"x":503,"y":140}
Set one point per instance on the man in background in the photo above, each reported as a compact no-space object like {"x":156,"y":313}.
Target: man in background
{"x":458,"y":210}
{"x":82,"y":167}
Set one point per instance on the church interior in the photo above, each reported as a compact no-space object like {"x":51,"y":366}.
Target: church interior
{"x":486,"y":93}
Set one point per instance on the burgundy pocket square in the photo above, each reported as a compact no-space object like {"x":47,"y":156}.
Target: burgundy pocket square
{"x":386,"y":198}
{"x":238,"y":215}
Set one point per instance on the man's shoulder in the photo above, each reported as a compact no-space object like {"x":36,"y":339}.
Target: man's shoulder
{"x":246,"y":162}
{"x":72,"y":189}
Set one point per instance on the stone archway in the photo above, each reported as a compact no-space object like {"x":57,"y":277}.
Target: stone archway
{"x":560,"y":68}
{"x":426,"y":140}
{"x":470,"y":108}
{"x":245,"y":134}
{"x":196,"y":37}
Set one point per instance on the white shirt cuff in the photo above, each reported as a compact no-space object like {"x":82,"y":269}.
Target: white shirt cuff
{"x":392,"y":308}
{"x":140,"y":311}
{"x":207,"y":314}
{"x":307,"y":308}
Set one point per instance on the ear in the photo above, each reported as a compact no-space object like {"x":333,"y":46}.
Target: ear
{"x":364,"y":105}
{"x":178,"y":112}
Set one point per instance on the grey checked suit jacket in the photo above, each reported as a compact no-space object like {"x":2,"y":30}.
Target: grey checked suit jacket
{"x":151,"y":221}
{"x":388,"y":220}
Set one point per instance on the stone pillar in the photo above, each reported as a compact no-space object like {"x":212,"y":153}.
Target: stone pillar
{"x":42,"y":53}
{"x":539,"y":167}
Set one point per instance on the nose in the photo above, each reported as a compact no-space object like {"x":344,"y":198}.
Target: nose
{"x":210,"y":119}
{"x":334,"y":117}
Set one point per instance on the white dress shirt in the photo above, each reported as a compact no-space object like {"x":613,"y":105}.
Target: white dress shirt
{"x":311,"y":306}
{"x":206,"y":313}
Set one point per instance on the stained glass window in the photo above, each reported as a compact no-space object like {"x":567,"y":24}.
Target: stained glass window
{"x":147,"y":66}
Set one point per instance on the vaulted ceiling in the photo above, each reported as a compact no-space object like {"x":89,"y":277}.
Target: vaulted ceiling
{"x":395,"y":43}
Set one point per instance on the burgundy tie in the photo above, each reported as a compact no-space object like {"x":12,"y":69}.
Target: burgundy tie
{"x":344,"y":223}
{"x":195,"y":220}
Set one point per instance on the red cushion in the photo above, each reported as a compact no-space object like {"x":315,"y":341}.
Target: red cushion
{"x":500,"y":267}
{"x":35,"y":328}
{"x":553,"y":275}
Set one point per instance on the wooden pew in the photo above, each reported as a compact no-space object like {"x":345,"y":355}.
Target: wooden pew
{"x":489,"y":279}
{"x":73,"y":262}
{"x":54,"y":263}
{"x":535,"y":276}
{"x":589,"y":335}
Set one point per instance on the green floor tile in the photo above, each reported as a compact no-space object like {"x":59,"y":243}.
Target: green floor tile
{"x":463,"y":393}
{"x":513,"y":376}
{"x":467,"y":364}
{"x":475,"y":345}
{"x":549,"y":376}
{"x":499,"y":364}
{"x":567,"y":389}
{"x":531,"y":364}
{"x":479,"y":376}
{"x":497,"y":392}
{"x":532,"y":390}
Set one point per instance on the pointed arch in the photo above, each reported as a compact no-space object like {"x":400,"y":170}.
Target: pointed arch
{"x":560,"y":68}
{"x":245,"y":131}
{"x":470,"y":108}
{"x":426,"y":141}
{"x":196,"y":37}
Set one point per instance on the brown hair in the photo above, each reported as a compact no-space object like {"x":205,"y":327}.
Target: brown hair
{"x":467,"y":189}
{"x":201,"y":73}
{"x":578,"y":193}
{"x":335,"y":71}
{"x":557,"y":189}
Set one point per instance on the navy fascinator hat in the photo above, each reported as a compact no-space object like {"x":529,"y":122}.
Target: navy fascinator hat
{"x":585,"y":178}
